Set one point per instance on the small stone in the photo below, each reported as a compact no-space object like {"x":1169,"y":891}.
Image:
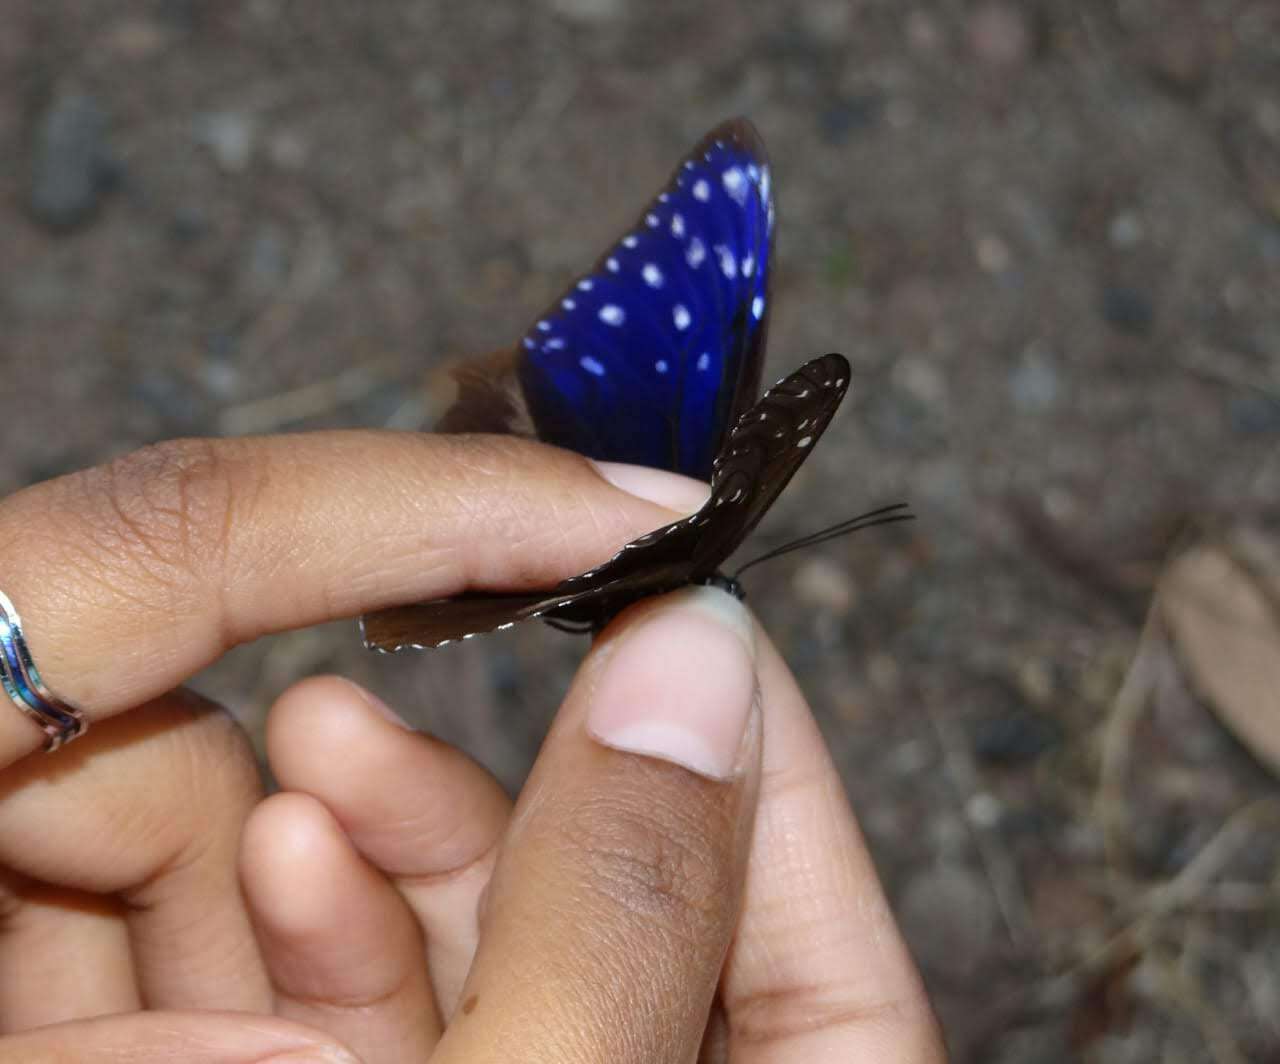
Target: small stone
{"x":1033,"y":383}
{"x":1014,"y":737}
{"x":920,"y":379}
{"x":984,"y":810}
{"x":287,"y":150}
{"x":590,"y":12}
{"x":1128,"y":310}
{"x":884,"y":674}
{"x":135,"y":39}
{"x":845,"y":116}
{"x":992,"y":253}
{"x":1180,"y":54}
{"x":949,"y":917}
{"x":1254,"y":413}
{"x":71,"y":164}
{"x":266,"y":263}
{"x":924,"y":35}
{"x":821,"y":583}
{"x":1126,"y":230}
{"x":830,"y":20}
{"x":1000,"y":35}
{"x":220,"y":377}
{"x":229,"y":135}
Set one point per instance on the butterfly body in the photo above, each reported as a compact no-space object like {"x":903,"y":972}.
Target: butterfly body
{"x":651,"y":357}
{"x":763,"y":451}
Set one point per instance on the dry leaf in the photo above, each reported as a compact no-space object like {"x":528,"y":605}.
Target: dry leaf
{"x":1228,"y":634}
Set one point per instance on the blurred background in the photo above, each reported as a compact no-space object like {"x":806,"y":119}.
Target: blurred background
{"x":1047,"y":235}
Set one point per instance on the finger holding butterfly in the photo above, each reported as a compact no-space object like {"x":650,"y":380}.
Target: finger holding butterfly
{"x":605,"y":932}
{"x":117,"y":853}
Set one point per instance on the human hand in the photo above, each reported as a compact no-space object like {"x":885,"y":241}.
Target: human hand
{"x":604,"y":918}
{"x":118,"y":892}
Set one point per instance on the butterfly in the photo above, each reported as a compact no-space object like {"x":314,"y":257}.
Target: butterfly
{"x":651,"y":357}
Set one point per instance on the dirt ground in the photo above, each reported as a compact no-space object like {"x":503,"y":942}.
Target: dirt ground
{"x":1046,"y":234}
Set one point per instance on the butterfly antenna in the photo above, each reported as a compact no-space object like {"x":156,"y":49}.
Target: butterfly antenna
{"x":886,"y":515}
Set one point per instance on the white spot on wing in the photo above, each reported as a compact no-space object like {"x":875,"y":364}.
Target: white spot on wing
{"x":704,"y":360}
{"x":611,"y":264}
{"x":544,"y":326}
{"x":661,"y":365}
{"x":701,"y":190}
{"x":586,"y":284}
{"x":735,"y":184}
{"x":804,"y":441}
{"x":695,"y":253}
{"x":757,"y":307}
{"x":681,"y":317}
{"x":677,"y":226}
{"x":556,"y":343}
{"x":728,"y":264}
{"x":568,"y":304}
{"x":630,"y":240}
{"x":652,"y":275}
{"x":612,"y":314}
{"x":748,"y":264}
{"x":591,"y":366}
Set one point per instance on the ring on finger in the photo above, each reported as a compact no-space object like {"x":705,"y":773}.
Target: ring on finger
{"x":60,"y":721}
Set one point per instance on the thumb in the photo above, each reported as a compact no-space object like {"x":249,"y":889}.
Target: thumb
{"x":191,"y":1037}
{"x":619,"y":885}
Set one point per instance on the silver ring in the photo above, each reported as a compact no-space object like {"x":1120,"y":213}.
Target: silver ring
{"x":59,"y":721}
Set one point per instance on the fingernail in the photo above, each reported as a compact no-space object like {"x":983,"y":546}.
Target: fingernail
{"x":669,"y":490}
{"x":679,"y":685}
{"x":380,"y":707}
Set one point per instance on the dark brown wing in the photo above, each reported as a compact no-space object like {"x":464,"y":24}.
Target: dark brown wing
{"x":763,"y":451}
{"x":432,"y":624}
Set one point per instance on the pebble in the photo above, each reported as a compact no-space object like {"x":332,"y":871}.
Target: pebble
{"x":1013,"y":737}
{"x":136,"y":39}
{"x":1126,"y":230}
{"x":924,"y":35}
{"x":590,"y":12}
{"x":229,"y":136}
{"x":71,"y":168}
{"x":821,"y":583}
{"x":1254,"y":413}
{"x":1033,"y":383}
{"x":1128,"y":310}
{"x":992,"y":253}
{"x":1000,"y":35}
{"x":950,"y":919}
{"x":922,"y":380}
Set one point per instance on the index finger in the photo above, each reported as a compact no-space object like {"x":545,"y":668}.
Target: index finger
{"x":132,"y":576}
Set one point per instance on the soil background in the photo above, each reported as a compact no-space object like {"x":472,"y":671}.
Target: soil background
{"x":1046,"y":234}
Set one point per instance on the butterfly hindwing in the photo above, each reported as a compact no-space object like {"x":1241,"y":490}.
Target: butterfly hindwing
{"x":651,"y":355}
{"x":763,"y":450}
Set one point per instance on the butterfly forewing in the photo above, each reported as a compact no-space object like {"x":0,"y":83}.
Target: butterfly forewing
{"x":764,"y":449}
{"x":651,"y":355}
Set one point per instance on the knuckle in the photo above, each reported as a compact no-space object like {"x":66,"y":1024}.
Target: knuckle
{"x":169,"y":503}
{"x":648,"y":858}
{"x":780,"y":1015}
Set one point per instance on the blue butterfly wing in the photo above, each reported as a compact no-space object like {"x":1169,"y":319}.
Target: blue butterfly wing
{"x":652,"y":355}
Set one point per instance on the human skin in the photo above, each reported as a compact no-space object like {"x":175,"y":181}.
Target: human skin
{"x":682,"y":849}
